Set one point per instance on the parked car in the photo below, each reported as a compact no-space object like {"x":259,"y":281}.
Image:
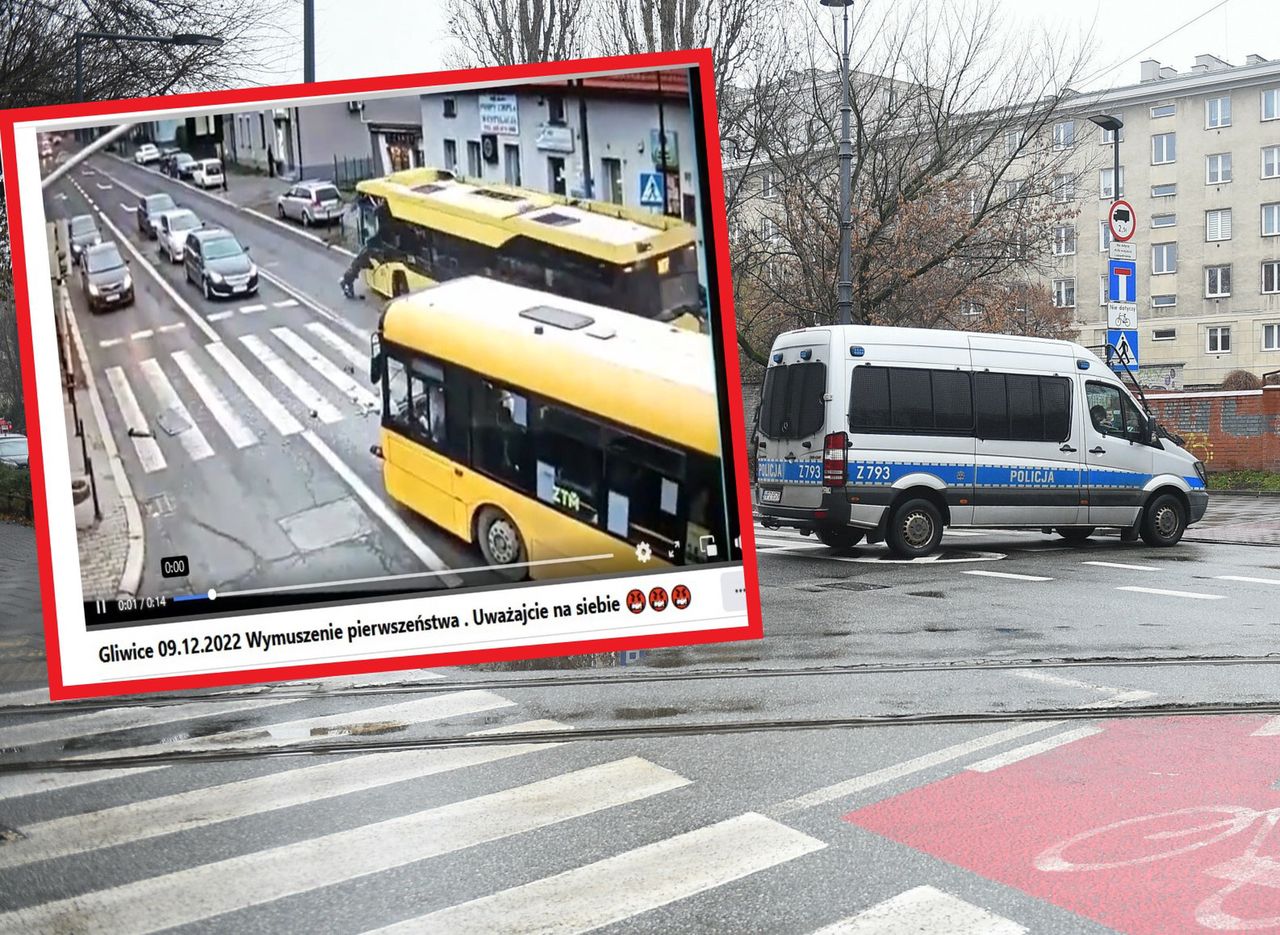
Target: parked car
{"x":311,"y":203}
{"x":104,"y":277}
{"x":82,"y":233}
{"x":207,"y":173}
{"x":182,"y":166}
{"x":13,"y":450}
{"x":172,"y":228}
{"x":216,"y":262}
{"x":149,"y":209}
{"x":146,"y":154}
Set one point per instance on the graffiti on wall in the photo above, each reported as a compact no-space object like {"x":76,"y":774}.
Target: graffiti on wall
{"x":1200,"y":445}
{"x":1160,"y":378}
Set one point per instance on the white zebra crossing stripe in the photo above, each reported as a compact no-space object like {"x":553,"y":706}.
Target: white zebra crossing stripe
{"x":624,"y":886}
{"x":110,"y":342}
{"x":156,"y":903}
{"x":197,"y":808}
{"x":220,"y":316}
{"x":267,"y":404}
{"x":191,"y":437}
{"x":149,"y":453}
{"x":924,"y":909}
{"x":250,"y":309}
{"x":359,"y":361}
{"x":293,"y":382}
{"x":240,"y":434}
{"x":287,"y":303}
{"x":342,"y":381}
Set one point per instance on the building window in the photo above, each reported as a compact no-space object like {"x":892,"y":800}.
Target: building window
{"x":1271,"y":277}
{"x":451,"y":155}
{"x":1164,"y":301}
{"x":1271,"y":220}
{"x":1064,"y":134}
{"x":556,"y":181}
{"x":1217,"y":282}
{"x":1064,"y":188}
{"x":1105,"y":187}
{"x":511,"y":164}
{"x":450,"y":107}
{"x":1164,"y":110}
{"x":1271,"y":337}
{"x":1012,"y":142}
{"x":766,"y":184}
{"x":1109,"y":136}
{"x":1217,"y":169}
{"x":1271,"y":162}
{"x":1104,"y":236}
{"x":769,"y":230}
{"x":1064,"y":240}
{"x":1164,"y":334}
{"x":1271,"y":104}
{"x":555,"y":110}
{"x":1217,"y":112}
{"x":474,"y":168}
{"x":1218,"y":339}
{"x":1164,"y":258}
{"x":1102,"y":289}
{"x":1164,"y":220}
{"x":1164,"y":148}
{"x":1217,"y":224}
{"x":1064,"y":293}
{"x":611,"y":176}
{"x":1164,"y":191}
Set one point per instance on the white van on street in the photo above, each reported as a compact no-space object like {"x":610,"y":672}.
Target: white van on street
{"x":892,"y":434}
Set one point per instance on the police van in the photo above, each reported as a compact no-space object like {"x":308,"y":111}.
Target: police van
{"x":892,"y":434}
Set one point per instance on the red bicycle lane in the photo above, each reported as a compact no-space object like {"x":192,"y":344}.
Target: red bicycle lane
{"x":1151,"y":826}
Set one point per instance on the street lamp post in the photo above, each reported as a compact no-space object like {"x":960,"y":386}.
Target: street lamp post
{"x":844,"y":287}
{"x":1114,"y":125}
{"x":178,"y":38}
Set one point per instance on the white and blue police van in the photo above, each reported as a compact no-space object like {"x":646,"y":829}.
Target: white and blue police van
{"x":893,"y":434}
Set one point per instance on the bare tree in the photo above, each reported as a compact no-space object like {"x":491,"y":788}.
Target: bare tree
{"x":511,"y":32}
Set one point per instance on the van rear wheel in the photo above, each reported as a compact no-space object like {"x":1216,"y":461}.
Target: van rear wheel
{"x":1076,"y":535}
{"x":915,"y":529}
{"x":1164,"y":521}
{"x":839,"y":538}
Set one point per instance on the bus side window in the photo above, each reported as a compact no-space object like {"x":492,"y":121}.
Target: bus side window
{"x":643,"y":481}
{"x":500,"y":430}
{"x":396,"y":386}
{"x":427,"y":395}
{"x":569,"y":469}
{"x":706,"y":516}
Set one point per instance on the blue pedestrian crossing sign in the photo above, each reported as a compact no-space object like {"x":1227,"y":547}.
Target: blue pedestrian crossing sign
{"x":653,"y":190}
{"x":1122,"y":281}
{"x":1122,"y":354}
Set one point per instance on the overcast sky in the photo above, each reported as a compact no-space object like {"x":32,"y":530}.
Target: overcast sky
{"x":362,"y":38}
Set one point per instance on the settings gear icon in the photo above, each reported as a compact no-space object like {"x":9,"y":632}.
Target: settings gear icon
{"x":644,"y":552}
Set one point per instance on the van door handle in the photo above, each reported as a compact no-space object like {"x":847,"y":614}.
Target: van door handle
{"x":1097,"y":451}
{"x":1066,"y":448}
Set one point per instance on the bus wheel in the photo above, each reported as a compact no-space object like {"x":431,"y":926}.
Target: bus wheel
{"x":501,"y":542}
{"x":1076,"y":535}
{"x":399,"y":285}
{"x":915,"y":529}
{"x":1163,"y":521}
{"x":839,"y":539}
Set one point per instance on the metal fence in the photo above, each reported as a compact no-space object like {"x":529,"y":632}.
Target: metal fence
{"x":343,"y":171}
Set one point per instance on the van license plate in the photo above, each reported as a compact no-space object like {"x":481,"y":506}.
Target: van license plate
{"x":771,"y":496}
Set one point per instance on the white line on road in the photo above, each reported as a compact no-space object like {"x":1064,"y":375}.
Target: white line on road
{"x":129,"y":208}
{"x":149,"y":453}
{"x":1032,"y":749}
{"x":1269,"y":729}
{"x":219,"y":316}
{"x":924,"y":909}
{"x":176,"y":326}
{"x":897,"y":771}
{"x":103,"y":187}
{"x":287,"y":303}
{"x":250,"y":309}
{"x":1005,"y":574}
{"x":1194,"y":595}
{"x":203,"y":892}
{"x":110,"y":342}
{"x":292,"y":380}
{"x":318,"y":362}
{"x":358,"y":360}
{"x":30,"y":697}
{"x":621,"y":887}
{"x":316,"y":306}
{"x":252,"y":387}
{"x":1123,"y":698}
{"x":1247,"y":580}
{"x":141,"y":335}
{"x":1119,"y":695}
{"x":240,"y":434}
{"x":1123,"y":565}
{"x":191,"y":437}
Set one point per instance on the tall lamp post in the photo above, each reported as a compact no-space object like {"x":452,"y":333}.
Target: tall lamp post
{"x":178,"y":38}
{"x":1114,"y":125}
{"x":844,"y":287}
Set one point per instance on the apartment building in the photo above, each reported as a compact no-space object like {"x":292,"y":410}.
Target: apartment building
{"x":1200,"y":164}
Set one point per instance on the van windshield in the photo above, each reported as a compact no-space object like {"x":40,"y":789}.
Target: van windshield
{"x":792,"y":405}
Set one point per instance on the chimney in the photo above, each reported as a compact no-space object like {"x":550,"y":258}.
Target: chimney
{"x":1210,"y":63}
{"x":1150,"y":70}
{"x":1255,"y":60}
{"x":1168,"y":71}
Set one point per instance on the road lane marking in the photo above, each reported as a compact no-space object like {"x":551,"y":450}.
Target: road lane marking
{"x":219,"y":316}
{"x":240,"y":434}
{"x":1118,"y":697}
{"x":251,"y":386}
{"x":148,"y":451}
{"x":897,"y":771}
{"x":1018,"y":754}
{"x":358,"y":360}
{"x":423,"y":552}
{"x":1269,"y":729}
{"x":176,"y":326}
{"x":1123,"y":565}
{"x":191,"y":437}
{"x":316,"y":306}
{"x":34,"y":696}
{"x":1194,"y":595}
{"x":292,"y":380}
{"x":110,"y":342}
{"x":250,"y":309}
{"x":621,"y":887}
{"x":924,"y":909}
{"x":198,"y":808}
{"x":103,"y":187}
{"x":1006,"y":574}
{"x":141,"y":335}
{"x":287,"y":303}
{"x":130,"y":208}
{"x":1248,"y":580}
{"x":209,"y":890}
{"x":1122,"y":698}
{"x":318,"y":362}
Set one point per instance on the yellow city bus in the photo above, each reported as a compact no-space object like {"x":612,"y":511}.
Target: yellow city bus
{"x":562,"y":438}
{"x":427,"y":226}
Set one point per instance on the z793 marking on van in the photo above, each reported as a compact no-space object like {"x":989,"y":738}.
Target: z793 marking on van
{"x":773,"y":471}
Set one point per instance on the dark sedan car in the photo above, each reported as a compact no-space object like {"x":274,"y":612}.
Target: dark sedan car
{"x":216,"y":262}
{"x":104,"y":277}
{"x":83,"y":232}
{"x":149,"y":209}
{"x":13,"y":450}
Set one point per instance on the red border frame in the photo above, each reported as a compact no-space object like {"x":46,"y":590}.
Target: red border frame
{"x":715,"y":224}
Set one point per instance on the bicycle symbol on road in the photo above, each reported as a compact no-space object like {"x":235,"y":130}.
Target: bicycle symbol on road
{"x":1171,"y":834}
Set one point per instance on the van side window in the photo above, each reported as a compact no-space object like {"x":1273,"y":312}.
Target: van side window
{"x":910,"y":399}
{"x":993,"y":405}
{"x":1055,"y":395}
{"x":1104,"y":408}
{"x":904,"y":400}
{"x":1022,"y":407}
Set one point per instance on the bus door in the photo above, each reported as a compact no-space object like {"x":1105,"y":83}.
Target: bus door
{"x":792,"y":422}
{"x":420,"y":469}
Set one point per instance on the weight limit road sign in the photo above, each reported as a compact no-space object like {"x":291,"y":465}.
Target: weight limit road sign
{"x":1122,"y":220}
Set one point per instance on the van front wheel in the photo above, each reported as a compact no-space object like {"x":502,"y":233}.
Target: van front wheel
{"x":915,"y":529}
{"x":840,"y":539}
{"x":1163,"y":521}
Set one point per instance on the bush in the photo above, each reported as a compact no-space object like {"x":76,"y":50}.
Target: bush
{"x":15,"y":493}
{"x":1241,"y":380}
{"x":1245,"y":480}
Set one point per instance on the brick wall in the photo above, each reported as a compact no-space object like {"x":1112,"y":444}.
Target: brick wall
{"x":1227,"y":431}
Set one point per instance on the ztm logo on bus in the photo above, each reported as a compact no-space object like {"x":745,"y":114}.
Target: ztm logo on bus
{"x":658,"y":599}
{"x":635,"y":600}
{"x":680,"y":597}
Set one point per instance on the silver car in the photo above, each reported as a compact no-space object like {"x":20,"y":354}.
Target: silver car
{"x":172,"y":228}
{"x":311,"y":203}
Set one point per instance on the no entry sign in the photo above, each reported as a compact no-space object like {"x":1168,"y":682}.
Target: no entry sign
{"x":1151,"y":826}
